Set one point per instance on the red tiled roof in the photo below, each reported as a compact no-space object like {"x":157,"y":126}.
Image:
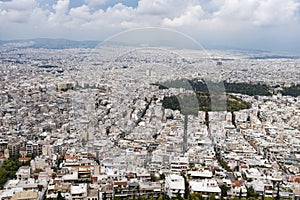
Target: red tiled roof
{"x":237,"y":183}
{"x":91,"y":155}
{"x":120,"y":183}
{"x":24,"y":159}
{"x":71,"y":157}
{"x":94,"y":178}
{"x":295,"y":179}
{"x":130,"y":176}
{"x":110,"y":186}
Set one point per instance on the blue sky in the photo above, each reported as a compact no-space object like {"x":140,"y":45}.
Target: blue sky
{"x":132,"y":3}
{"x":247,"y":24}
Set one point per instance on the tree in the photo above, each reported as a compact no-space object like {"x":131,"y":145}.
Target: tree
{"x":224,"y":190}
{"x":178,"y":196}
{"x":251,"y":192}
{"x":195,"y":196}
{"x":277,"y":194}
{"x":186,"y":186}
{"x":9,"y":168}
{"x":162,"y":176}
{"x":292,"y":91}
{"x":212,"y":197}
{"x":104,"y":196}
{"x":59,"y":196}
{"x":40,"y":187}
{"x":142,"y":198}
{"x":161,"y":197}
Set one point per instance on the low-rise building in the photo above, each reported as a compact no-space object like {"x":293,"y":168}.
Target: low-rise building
{"x":23,"y":173}
{"x":26,"y":195}
{"x":174,"y":185}
{"x":206,"y":187}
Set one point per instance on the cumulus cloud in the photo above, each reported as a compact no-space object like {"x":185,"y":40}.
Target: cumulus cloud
{"x":257,"y":12}
{"x":154,"y":7}
{"x":173,"y":13}
{"x":234,"y":18}
{"x":17,"y":11}
{"x":236,"y":10}
{"x":19,"y":5}
{"x":81,"y":14}
{"x":60,"y":14}
{"x":61,"y":7}
{"x":191,"y":16}
{"x":163,"y":8}
{"x":93,"y":3}
{"x":274,"y":12}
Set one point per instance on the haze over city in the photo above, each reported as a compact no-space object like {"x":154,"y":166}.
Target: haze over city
{"x":249,"y":24}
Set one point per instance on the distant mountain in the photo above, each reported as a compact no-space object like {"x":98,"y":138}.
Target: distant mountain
{"x":255,"y":53}
{"x":274,"y":57}
{"x":48,"y":43}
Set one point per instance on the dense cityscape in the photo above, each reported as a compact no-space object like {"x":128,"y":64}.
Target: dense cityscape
{"x":79,"y":123}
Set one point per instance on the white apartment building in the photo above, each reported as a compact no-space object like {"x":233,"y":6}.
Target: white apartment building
{"x":174,"y":185}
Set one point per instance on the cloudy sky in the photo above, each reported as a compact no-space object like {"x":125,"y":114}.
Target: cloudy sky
{"x":247,"y":24}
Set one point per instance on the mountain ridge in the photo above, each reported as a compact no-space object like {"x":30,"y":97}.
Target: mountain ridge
{"x":61,"y":43}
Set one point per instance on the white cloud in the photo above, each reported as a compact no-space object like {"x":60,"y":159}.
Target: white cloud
{"x":81,"y":13}
{"x":191,"y":16}
{"x":19,"y":5}
{"x":216,"y":19}
{"x":275,"y":12}
{"x":236,"y":10}
{"x":171,"y":13}
{"x":257,"y":12}
{"x":60,"y":14}
{"x":154,"y":7}
{"x":17,"y":11}
{"x":93,"y":3}
{"x":14,"y":16}
{"x":61,"y":7}
{"x":163,"y":8}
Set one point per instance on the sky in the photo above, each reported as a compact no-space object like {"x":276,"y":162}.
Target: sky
{"x":246,"y":24}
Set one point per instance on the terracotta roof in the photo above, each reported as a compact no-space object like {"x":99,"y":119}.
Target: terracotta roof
{"x":110,"y":186}
{"x":296,"y":191}
{"x":130,"y":176}
{"x":237,"y":183}
{"x":71,"y":157}
{"x":94,"y":178}
{"x":91,"y":155}
{"x":83,"y":167}
{"x":24,"y":159}
{"x":120,"y":183}
{"x":295,"y":179}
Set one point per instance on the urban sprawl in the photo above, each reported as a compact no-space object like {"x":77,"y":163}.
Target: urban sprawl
{"x":90,"y":124}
